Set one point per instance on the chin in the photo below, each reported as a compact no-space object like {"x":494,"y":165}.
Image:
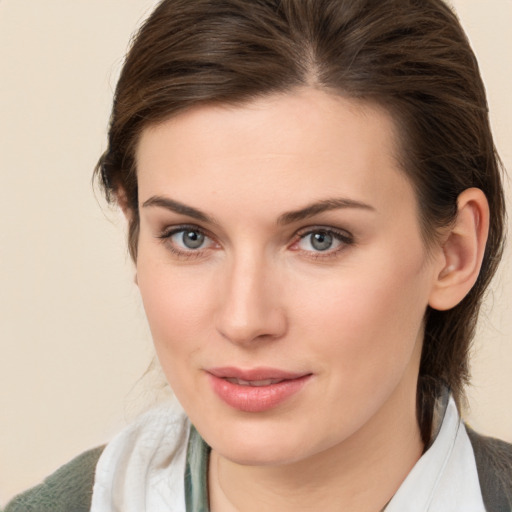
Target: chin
{"x":260,"y":444}
{"x":249,"y":455}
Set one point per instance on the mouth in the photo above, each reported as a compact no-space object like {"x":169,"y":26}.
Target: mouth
{"x":255,"y":390}
{"x":254,"y":383}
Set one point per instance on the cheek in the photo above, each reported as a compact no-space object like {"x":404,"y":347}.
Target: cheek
{"x":368,"y":318}
{"x":175,"y":302}
{"x":175,"y":307}
{"x":364,"y":333}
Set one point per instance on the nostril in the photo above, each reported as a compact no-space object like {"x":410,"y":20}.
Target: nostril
{"x":257,"y":328}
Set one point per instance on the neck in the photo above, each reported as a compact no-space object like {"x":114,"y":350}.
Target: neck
{"x":362,"y":473}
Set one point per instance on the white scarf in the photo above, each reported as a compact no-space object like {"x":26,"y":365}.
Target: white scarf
{"x":142,"y":469}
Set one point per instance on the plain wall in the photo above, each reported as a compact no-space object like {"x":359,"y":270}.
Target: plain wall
{"x":73,"y":335}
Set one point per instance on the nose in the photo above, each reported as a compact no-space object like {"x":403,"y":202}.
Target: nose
{"x":250,"y":305}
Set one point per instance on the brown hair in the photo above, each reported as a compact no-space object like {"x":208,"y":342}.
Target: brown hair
{"x":410,"y":56}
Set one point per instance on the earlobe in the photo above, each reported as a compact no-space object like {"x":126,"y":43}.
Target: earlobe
{"x":463,"y":251}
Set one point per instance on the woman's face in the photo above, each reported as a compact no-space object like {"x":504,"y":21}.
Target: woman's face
{"x":283,"y":273}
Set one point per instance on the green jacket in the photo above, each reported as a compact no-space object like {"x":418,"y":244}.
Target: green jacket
{"x":69,"y":489}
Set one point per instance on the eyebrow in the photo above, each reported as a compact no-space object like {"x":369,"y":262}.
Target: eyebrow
{"x":286,"y":218}
{"x":320,"y":207}
{"x":177,"y":207}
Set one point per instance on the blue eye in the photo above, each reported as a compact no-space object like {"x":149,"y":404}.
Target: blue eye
{"x":186,"y":240}
{"x":189,"y":239}
{"x":323,"y":240}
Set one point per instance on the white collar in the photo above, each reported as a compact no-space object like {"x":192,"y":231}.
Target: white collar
{"x":445,"y":479}
{"x":142,"y":469}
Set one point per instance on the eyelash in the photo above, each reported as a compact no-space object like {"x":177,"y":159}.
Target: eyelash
{"x":343,"y":237}
{"x":166,"y":235}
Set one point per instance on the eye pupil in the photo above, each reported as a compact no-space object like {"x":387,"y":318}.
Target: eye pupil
{"x":321,"y":241}
{"x":192,"y":239}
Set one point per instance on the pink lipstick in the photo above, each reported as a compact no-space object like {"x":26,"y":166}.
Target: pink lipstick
{"x":255,"y":390}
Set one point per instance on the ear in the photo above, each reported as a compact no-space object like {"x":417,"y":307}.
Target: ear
{"x":463,"y":251}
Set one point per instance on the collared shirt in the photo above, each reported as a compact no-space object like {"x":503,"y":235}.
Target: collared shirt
{"x":160,"y":463}
{"x":445,"y":479}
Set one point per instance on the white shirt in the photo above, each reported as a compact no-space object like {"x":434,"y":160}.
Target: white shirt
{"x":445,"y":479}
{"x":142,"y":469}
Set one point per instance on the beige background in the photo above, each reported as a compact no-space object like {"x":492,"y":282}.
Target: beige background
{"x":73,"y":336}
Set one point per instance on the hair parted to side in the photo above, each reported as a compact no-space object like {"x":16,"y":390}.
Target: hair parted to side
{"x":409,"y":56}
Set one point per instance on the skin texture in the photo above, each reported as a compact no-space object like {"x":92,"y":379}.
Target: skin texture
{"x":257,"y":292}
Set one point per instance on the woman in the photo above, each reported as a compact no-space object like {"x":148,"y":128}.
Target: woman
{"x":315,"y":210}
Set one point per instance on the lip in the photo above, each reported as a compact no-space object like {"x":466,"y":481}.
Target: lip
{"x":252,"y":393}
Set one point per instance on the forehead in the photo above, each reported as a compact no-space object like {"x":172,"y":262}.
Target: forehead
{"x":292,"y":148}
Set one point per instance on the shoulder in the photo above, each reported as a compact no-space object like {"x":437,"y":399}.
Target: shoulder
{"x":494,"y":464}
{"x":69,"y":489}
